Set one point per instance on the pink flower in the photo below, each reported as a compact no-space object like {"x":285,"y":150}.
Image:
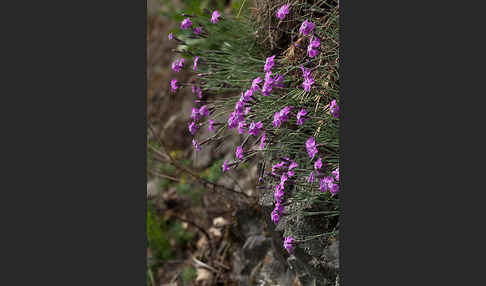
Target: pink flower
{"x":325,"y":183}
{"x":241,"y":127}
{"x":195,"y":114}
{"x":334,"y":108}
{"x":310,"y":145}
{"x":197,"y":30}
{"x":255,"y":128}
{"x":333,"y":188}
{"x":300,"y":116}
{"x":186,"y":24}
{"x":193,"y":127}
{"x":225,"y":166}
{"x":254,"y":84}
{"x":318,"y":164}
{"x":269,"y":63}
{"x":289,"y":244}
{"x":247,"y":110}
{"x":262,"y":141}
{"x":279,"y":192}
{"x":306,"y":28}
{"x":239,"y":152}
{"x":196,"y":146}
{"x":311,"y":177}
{"x":284,"y":10}
{"x":203,"y":110}
{"x":312,"y":49}
{"x":194,"y":66}
{"x":336,"y":173}
{"x":215,"y":17}
{"x":178,"y":64}
{"x":173,"y":84}
{"x":275,"y":216}
{"x":211,"y":125}
{"x":171,"y":36}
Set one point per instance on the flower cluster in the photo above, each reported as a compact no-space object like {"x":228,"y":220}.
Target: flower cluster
{"x":314,"y":44}
{"x":281,"y":116}
{"x":334,"y":108}
{"x":306,"y":28}
{"x":300,"y":116}
{"x":284,"y":169}
{"x":178,"y":64}
{"x":289,"y":244}
{"x":308,"y":80}
{"x":284,"y":10}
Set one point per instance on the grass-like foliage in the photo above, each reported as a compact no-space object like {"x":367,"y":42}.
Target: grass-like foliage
{"x":273,"y":76}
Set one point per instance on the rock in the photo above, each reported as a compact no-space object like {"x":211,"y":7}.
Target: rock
{"x":153,"y":188}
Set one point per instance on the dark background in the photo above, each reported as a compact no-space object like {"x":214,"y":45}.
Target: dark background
{"x":75,"y":143}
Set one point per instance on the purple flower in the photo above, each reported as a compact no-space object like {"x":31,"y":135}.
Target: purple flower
{"x":310,"y":145}
{"x":171,"y":36}
{"x":232,"y":120}
{"x":278,"y":81}
{"x":292,"y":165}
{"x":308,"y":80}
{"x":211,"y":125}
{"x":307,"y":84}
{"x":318,"y":164}
{"x":288,"y":244}
{"x":284,"y":113}
{"x":275,"y":216}
{"x":193,"y":127}
{"x":262,"y":141}
{"x":199,"y":92}
{"x":334,"y":108}
{"x":284,"y":178}
{"x":248,"y":94}
{"x":215,"y":17}
{"x":269,"y":64}
{"x":284,"y":10}
{"x":276,"y":167}
{"x":239,"y":152}
{"x":279,"y":192}
{"x":279,"y":207}
{"x":203,"y":110}
{"x":300,"y":116}
{"x":254,"y":84}
{"x":173,"y":84}
{"x":266,"y":89}
{"x":196,"y":146}
{"x":241,"y":127}
{"x":333,"y":188}
{"x":336,"y":173}
{"x":276,"y":119}
{"x":306,"y":28}
{"x":325,"y":183}
{"x":312,"y":49}
{"x":281,"y":116}
{"x":305,"y":71}
{"x":239,"y":106}
{"x":255,"y":128}
{"x":193,"y":88}
{"x":197,"y":30}
{"x":311,"y":177}
{"x":195,"y":114}
{"x":194,"y":66}
{"x":186,"y":24}
{"x":225,"y":166}
{"x":247,"y":110}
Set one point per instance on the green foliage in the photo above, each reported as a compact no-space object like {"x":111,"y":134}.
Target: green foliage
{"x":233,"y":53}
{"x":156,"y":237}
{"x":188,"y":274}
